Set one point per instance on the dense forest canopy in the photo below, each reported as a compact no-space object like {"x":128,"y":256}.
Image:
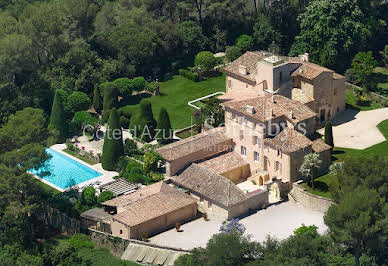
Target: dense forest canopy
{"x":75,"y":45}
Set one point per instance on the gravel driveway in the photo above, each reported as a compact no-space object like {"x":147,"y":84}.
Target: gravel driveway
{"x":357,"y":129}
{"x":278,"y":221}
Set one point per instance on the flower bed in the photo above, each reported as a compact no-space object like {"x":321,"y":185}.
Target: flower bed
{"x":81,"y":153}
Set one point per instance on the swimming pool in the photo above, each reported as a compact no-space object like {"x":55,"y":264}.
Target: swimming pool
{"x":64,"y":172}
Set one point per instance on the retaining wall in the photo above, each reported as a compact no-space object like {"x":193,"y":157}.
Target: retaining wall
{"x":300,"y":196}
{"x":61,"y":221}
{"x":118,"y":245}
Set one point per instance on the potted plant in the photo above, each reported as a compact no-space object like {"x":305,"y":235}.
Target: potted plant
{"x":144,"y":236}
{"x":177,"y":226}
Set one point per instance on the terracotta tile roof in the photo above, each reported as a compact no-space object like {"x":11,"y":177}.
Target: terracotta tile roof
{"x":320,"y":146}
{"x":267,"y":108}
{"x":288,"y":141}
{"x":249,"y":60}
{"x":139,"y":194}
{"x":153,"y":206}
{"x":310,"y":70}
{"x":211,"y":185}
{"x":224,"y":163}
{"x":204,"y":140}
{"x":240,"y":94}
{"x":300,"y":96}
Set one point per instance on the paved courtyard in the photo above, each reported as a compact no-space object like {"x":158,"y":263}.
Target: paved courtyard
{"x":357,"y":129}
{"x":278,"y":221}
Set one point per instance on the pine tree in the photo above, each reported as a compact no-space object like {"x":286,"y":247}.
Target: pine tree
{"x":165,"y":134}
{"x":144,"y":123}
{"x":97,"y":103}
{"x":57,"y":122}
{"x":329,"y":134}
{"x":113,"y":142}
{"x":110,"y":97}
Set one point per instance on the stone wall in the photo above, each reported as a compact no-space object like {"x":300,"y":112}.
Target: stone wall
{"x":303,"y":198}
{"x":61,"y":221}
{"x":118,"y":245}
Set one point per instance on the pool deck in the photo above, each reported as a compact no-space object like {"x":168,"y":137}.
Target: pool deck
{"x":106,"y":177}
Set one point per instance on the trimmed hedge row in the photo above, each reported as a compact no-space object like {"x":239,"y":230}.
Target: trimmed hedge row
{"x":189,"y":75}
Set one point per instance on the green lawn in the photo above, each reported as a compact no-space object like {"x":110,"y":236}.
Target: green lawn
{"x":86,"y":160}
{"x":176,"y":93}
{"x":323,"y":182}
{"x":383,"y":78}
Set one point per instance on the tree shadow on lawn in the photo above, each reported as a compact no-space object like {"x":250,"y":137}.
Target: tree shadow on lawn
{"x":321,"y":186}
{"x":134,"y":99}
{"x":333,"y":157}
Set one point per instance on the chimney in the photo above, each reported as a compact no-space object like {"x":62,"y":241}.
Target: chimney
{"x":250,"y":109}
{"x":243,"y":70}
{"x":273,"y":98}
{"x":305,"y":57}
{"x":272,"y":113}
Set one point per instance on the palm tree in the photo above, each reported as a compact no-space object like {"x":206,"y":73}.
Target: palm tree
{"x":311,"y":163}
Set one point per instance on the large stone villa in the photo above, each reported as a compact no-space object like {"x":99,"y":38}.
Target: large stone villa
{"x":273,"y":106}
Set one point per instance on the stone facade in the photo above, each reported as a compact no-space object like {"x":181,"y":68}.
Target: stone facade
{"x":156,"y":225}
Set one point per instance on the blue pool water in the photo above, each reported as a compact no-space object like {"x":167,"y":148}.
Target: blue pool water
{"x":63,"y":171}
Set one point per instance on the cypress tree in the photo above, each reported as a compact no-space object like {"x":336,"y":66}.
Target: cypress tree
{"x":165,"y":133}
{"x":97,"y":103}
{"x":110,"y":97}
{"x":113,"y":142}
{"x":329,"y":134}
{"x":57,"y":117}
{"x":144,"y":123}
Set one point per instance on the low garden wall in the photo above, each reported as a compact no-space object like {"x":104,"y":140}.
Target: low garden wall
{"x":118,"y":245}
{"x":313,"y":202}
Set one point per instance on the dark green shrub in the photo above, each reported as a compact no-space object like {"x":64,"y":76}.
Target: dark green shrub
{"x":110,"y":96}
{"x":220,"y":60}
{"x":205,"y":60}
{"x":139,"y":84}
{"x":232,"y":53}
{"x":136,"y":175}
{"x":97,"y":101}
{"x":89,"y":196}
{"x":105,"y":196}
{"x":124,"y":122}
{"x":329,"y":134}
{"x":82,"y":119}
{"x":144,"y":124}
{"x":113,"y":143}
{"x":130,"y":147}
{"x":244,"y":42}
{"x":165,"y":134}
{"x":131,"y":164}
{"x":189,"y":75}
{"x":125,"y":87}
{"x":78,"y":101}
{"x":57,"y":122}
